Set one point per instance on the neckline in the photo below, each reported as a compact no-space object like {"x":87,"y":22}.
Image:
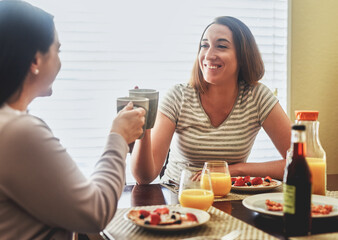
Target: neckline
{"x":6,"y":107}
{"x":230,"y":113}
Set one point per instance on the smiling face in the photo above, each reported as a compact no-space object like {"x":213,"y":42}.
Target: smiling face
{"x":217,"y":56}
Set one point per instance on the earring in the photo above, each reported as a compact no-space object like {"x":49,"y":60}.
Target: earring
{"x":36,"y":71}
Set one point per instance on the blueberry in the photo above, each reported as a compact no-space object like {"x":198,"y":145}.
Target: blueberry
{"x":141,"y":216}
{"x":267,"y":180}
{"x":248,"y":183}
{"x":147,"y":222}
{"x":173,"y":216}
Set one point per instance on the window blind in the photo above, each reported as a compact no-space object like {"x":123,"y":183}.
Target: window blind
{"x":111,"y":46}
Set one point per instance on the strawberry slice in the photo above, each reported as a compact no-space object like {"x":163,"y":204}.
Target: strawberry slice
{"x":163,"y":210}
{"x":267,"y":179}
{"x":257,"y":181}
{"x":155,"y":219}
{"x":143,"y":213}
{"x":191,"y":217}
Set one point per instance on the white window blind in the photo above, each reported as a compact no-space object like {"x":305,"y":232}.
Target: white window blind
{"x":111,"y":46}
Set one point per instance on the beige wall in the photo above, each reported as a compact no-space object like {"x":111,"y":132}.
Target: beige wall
{"x":313,"y":68}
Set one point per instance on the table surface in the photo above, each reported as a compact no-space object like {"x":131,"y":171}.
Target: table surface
{"x":155,"y":194}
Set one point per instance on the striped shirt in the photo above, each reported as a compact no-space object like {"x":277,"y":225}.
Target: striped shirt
{"x":196,"y":140}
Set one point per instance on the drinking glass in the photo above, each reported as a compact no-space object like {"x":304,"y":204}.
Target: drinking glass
{"x":220,"y":177}
{"x":194,"y":194}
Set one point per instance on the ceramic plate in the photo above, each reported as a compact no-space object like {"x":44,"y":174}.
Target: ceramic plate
{"x":257,"y":203}
{"x":257,"y":188}
{"x":202,"y":217}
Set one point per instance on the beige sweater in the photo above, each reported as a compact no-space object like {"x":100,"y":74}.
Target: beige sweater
{"x":43,"y":192}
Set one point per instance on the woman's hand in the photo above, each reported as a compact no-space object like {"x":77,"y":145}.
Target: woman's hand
{"x":129,"y":122}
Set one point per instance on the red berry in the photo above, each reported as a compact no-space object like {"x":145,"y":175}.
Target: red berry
{"x":163,"y":210}
{"x":239,"y":182}
{"x":144,"y":213}
{"x":238,"y":178}
{"x":267,"y":179}
{"x":155,"y":219}
{"x":257,"y":181}
{"x":191,"y":217}
{"x":247,"y":179}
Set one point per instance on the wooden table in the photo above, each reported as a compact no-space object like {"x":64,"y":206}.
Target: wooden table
{"x":155,"y":194}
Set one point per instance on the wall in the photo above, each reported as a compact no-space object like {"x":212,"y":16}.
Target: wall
{"x":313,"y":68}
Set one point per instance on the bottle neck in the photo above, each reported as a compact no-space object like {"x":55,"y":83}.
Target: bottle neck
{"x":298,"y":141}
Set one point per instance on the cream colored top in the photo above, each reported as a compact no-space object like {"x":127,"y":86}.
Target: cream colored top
{"x":42,"y":191}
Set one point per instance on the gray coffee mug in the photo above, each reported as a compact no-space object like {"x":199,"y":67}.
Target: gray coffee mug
{"x":142,"y":102}
{"x":152,"y":95}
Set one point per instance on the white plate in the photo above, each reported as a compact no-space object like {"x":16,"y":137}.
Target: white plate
{"x":257,"y":188}
{"x":202,"y":217}
{"x":257,"y":203}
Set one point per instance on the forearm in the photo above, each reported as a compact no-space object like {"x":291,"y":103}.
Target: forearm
{"x":274,"y":169}
{"x":143,"y":165}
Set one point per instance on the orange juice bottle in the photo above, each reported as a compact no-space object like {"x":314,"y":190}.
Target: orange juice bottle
{"x":315,"y":154}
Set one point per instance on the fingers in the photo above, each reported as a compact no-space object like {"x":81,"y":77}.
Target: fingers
{"x":129,"y":122}
{"x":197,"y":176}
{"x":129,"y":106}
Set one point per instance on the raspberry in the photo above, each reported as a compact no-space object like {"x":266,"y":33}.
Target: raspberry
{"x":239,"y":182}
{"x":257,"y":181}
{"x":247,"y":179}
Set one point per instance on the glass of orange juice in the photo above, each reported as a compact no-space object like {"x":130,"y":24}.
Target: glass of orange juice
{"x":220,"y":177}
{"x":194,"y":194}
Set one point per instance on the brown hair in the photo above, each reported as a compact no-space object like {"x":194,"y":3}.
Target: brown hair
{"x":251,"y":66}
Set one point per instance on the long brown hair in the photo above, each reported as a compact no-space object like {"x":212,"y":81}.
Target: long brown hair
{"x":251,"y":66}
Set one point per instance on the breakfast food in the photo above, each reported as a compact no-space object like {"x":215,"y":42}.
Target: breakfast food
{"x":315,"y":209}
{"x":273,"y":206}
{"x":161,"y":216}
{"x":247,"y":181}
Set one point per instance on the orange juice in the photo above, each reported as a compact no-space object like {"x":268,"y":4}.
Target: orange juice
{"x":196,"y":198}
{"x":221,"y":183}
{"x":318,"y":170}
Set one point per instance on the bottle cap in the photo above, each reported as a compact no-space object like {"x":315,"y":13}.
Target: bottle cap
{"x":307,"y":115}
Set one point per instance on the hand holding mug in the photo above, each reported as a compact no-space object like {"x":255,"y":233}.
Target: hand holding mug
{"x":129,"y":122}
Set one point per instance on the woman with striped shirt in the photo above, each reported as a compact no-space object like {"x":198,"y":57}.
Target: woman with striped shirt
{"x":217,"y":115}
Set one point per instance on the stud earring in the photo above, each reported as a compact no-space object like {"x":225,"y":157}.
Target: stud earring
{"x":36,"y":71}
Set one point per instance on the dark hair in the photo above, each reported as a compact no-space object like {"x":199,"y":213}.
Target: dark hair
{"x":24,"y":30}
{"x":251,"y":67}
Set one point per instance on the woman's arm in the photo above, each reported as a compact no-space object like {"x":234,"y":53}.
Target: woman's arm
{"x":150,"y":152}
{"x":278,"y":126}
{"x":42,"y":178}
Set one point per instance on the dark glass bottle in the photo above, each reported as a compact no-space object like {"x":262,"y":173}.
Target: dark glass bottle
{"x":297,"y":187}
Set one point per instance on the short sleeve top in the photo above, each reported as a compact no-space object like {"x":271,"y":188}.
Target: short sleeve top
{"x":196,"y":140}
